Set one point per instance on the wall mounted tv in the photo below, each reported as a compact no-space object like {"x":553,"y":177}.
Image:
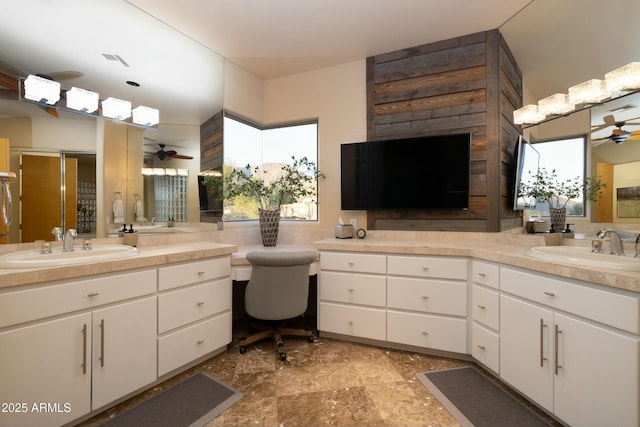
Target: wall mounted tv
{"x":430,"y":172}
{"x":527,"y":161}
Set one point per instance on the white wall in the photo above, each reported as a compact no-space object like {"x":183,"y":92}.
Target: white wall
{"x":335,"y":96}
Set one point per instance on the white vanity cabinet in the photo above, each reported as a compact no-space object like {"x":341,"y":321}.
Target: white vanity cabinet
{"x":194,"y":311}
{"x":427,"y":302}
{"x":485,"y":314}
{"x":572,"y":348}
{"x":353,"y":294}
{"x":64,"y":358}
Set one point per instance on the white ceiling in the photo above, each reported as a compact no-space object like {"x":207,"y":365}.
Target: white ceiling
{"x":171,"y":47}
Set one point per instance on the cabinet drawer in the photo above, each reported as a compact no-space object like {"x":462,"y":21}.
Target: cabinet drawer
{"x":355,"y":321}
{"x":352,"y":288}
{"x":485,"y":306}
{"x":443,"y":268}
{"x":485,"y":347}
{"x":427,"y":295}
{"x":184,"y":346}
{"x":175,"y":276}
{"x":38,"y":303}
{"x":423,"y":330}
{"x":485,"y":274}
{"x":610,"y":308}
{"x":178,"y":308}
{"x":353,"y":262}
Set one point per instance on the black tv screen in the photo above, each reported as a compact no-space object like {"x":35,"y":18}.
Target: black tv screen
{"x":430,"y":172}
{"x":527,"y":161}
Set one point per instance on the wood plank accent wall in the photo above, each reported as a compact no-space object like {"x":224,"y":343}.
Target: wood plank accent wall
{"x":467,"y":84}
{"x":211,"y":142}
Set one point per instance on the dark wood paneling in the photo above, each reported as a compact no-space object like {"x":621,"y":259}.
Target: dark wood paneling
{"x":211,"y":143}
{"x":466,"y":84}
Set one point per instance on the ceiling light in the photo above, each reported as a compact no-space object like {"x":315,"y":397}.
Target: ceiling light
{"x":555,"y":104}
{"x":589,"y":92}
{"x":40,"y":89}
{"x":82,"y":100}
{"x":624,"y":78}
{"x":146,"y":116}
{"x":527,"y":115}
{"x":116,"y":108}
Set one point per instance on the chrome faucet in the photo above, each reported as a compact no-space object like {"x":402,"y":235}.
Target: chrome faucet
{"x":68,"y":240}
{"x":617,"y":247}
{"x":637,"y":246}
{"x":57,"y":233}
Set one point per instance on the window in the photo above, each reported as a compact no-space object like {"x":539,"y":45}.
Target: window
{"x":567,"y":157}
{"x":269,"y":148}
{"x":170,"y":197}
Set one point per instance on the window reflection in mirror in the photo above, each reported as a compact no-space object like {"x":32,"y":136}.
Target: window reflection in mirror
{"x":269,"y":148}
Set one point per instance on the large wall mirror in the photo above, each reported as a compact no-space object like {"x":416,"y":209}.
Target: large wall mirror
{"x":113,"y":43}
{"x":561,"y":44}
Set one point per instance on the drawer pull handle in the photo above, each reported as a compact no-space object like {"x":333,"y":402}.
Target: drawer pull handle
{"x":84,"y":349}
{"x":557,"y":362}
{"x":200,"y":273}
{"x":482,"y":274}
{"x":425,"y":268}
{"x":200,"y":342}
{"x":542,"y":358}
{"x":200,"y":303}
{"x":102,"y":343}
{"x":93,"y":294}
{"x":481,"y":347}
{"x":350,"y":290}
{"x":551,"y":294}
{"x":350,"y":322}
{"x":425,"y":333}
{"x":351,"y":263}
{"x":481,"y":307}
{"x":424,"y":297}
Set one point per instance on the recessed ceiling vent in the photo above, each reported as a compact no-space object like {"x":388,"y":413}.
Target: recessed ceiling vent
{"x":118,"y":58}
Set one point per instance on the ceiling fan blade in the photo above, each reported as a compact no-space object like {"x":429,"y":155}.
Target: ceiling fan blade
{"x":180,"y":156}
{"x":9,"y":82}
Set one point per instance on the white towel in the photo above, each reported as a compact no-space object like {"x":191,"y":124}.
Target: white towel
{"x":139,"y":210}
{"x":118,"y":211}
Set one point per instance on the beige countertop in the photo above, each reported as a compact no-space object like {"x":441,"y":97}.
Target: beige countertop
{"x":150,"y":256}
{"x":501,"y":252}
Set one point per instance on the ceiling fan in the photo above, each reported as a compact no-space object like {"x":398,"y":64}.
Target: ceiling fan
{"x":163,"y":154}
{"x":618,"y":135}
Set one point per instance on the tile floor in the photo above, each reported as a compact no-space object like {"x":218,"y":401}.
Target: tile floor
{"x":329,"y":382}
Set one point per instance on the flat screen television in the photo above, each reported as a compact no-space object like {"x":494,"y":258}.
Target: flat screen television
{"x":430,"y":172}
{"x":527,"y":162}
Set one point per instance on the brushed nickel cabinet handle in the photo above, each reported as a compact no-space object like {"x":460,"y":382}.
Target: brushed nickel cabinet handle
{"x":425,"y":297}
{"x":200,"y":273}
{"x":482,"y":274}
{"x":350,"y":289}
{"x":425,"y":268}
{"x":200,"y":303}
{"x":102,"y":343}
{"x":93,"y":294}
{"x":481,"y":307}
{"x":200,"y":342}
{"x":481,"y":347}
{"x":84,"y":349}
{"x":425,"y":333}
{"x":542,"y":358}
{"x":551,"y":294}
{"x":557,"y":362}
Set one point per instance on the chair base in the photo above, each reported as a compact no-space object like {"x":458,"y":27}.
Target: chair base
{"x":276,"y":333}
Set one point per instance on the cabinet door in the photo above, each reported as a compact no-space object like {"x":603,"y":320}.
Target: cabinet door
{"x":48,"y":363}
{"x":525,"y":349}
{"x":597,"y":379}
{"x":124,"y":349}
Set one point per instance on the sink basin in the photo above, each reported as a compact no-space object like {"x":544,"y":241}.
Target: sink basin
{"x":34,"y":259}
{"x":584,"y":257}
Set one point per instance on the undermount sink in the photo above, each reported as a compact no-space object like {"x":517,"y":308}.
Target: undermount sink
{"x":34,"y":259}
{"x":583,"y":256}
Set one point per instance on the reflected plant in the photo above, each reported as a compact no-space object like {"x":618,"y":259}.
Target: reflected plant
{"x":547,"y":187}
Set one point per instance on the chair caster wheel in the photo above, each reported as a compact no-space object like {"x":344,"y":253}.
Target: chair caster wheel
{"x":243,"y":350}
{"x":283,"y":356}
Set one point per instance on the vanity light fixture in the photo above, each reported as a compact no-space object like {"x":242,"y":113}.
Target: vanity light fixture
{"x":624,"y":78}
{"x":165,"y":171}
{"x":171,"y":172}
{"x":82,"y":100}
{"x":147,"y":171}
{"x":183,"y":172}
{"x":527,"y":115}
{"x":39,"y":89}
{"x":146,"y":116}
{"x":158,"y":171}
{"x":555,"y":104}
{"x":589,"y":92}
{"x":115,"y":108}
